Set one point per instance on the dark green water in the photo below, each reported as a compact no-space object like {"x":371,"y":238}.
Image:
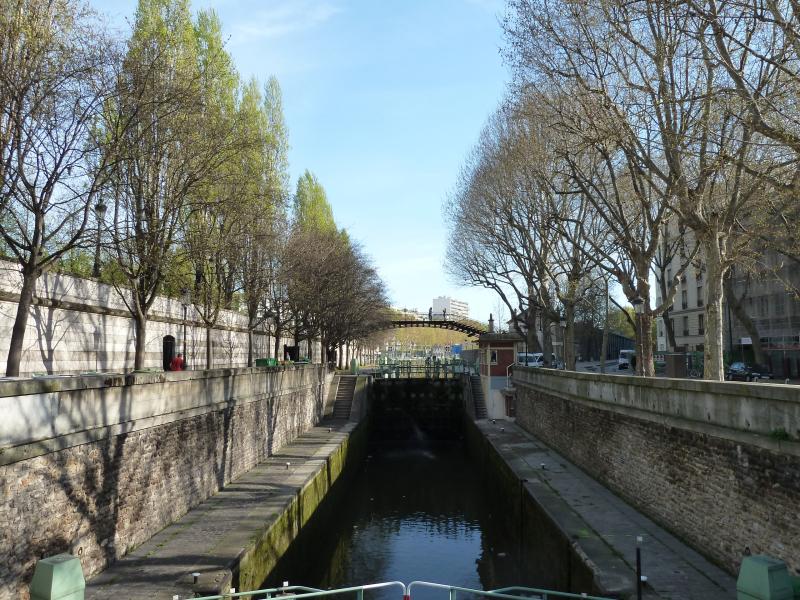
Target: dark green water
{"x":415,"y":510}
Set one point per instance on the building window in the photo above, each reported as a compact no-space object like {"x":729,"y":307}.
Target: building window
{"x":763,"y":306}
{"x":699,"y":295}
{"x":669,"y":276}
{"x":685,"y":325}
{"x":493,"y":357}
{"x":780,"y":304}
{"x":701,"y":325}
{"x":684,"y":299}
{"x":672,"y":325}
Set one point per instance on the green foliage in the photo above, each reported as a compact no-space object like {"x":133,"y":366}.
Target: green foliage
{"x":780,"y":434}
{"x":77,"y":263}
{"x":619,"y":323}
{"x":311,"y":207}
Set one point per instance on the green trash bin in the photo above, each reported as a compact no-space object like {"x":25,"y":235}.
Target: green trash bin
{"x":58,"y":577}
{"x":764,"y":578}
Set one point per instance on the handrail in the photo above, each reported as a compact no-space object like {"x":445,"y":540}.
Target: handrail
{"x":546,"y":593}
{"x":299,"y":591}
{"x":501,"y":593}
{"x":305,"y":592}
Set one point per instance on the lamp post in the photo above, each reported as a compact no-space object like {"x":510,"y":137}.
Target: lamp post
{"x":563,"y":323}
{"x":100,"y":210}
{"x":186,"y":300}
{"x":638,"y":309}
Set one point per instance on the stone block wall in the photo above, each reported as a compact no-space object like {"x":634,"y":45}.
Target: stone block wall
{"x":722,"y":489}
{"x":126,"y":457}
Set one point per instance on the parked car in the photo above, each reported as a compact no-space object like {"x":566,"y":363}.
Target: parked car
{"x":740,"y":371}
{"x":534,"y":359}
{"x":627,"y":359}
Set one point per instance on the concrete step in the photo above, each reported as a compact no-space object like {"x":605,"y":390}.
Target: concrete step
{"x":477,"y":397}
{"x":344,"y":397}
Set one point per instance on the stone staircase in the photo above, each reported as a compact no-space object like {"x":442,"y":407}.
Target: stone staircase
{"x":477,"y":397}
{"x":344,"y":397}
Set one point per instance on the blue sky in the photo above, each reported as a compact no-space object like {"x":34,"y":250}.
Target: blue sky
{"x":383,"y":101}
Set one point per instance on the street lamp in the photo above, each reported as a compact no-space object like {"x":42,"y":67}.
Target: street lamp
{"x":638,"y":305}
{"x":638,"y":309}
{"x":186,"y":300}
{"x":100,"y":210}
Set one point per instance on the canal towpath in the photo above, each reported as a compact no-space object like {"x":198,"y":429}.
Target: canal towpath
{"x":577,"y":502}
{"x":257,"y":513}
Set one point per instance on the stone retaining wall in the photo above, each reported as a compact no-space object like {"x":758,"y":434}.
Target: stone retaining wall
{"x":95,"y":466}
{"x":77,"y":325}
{"x":710,"y":461}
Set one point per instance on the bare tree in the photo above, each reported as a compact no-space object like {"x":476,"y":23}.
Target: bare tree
{"x":56,"y":67}
{"x":501,"y":237}
{"x":653,"y":103}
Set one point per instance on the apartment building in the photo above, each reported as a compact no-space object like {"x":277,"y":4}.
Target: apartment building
{"x":765,"y":297}
{"x":455,"y":308}
{"x":688,"y":309}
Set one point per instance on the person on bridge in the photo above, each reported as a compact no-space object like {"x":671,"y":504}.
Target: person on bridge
{"x":177,"y":363}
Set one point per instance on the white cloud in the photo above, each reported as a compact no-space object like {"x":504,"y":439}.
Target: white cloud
{"x":283,"y":19}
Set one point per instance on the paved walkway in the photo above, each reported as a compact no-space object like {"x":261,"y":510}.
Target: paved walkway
{"x":210,"y":538}
{"x":674,"y":571}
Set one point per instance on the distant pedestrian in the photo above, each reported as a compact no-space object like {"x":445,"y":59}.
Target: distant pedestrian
{"x":177,"y":363}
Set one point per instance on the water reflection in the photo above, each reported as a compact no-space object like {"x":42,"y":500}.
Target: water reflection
{"x":411,"y":513}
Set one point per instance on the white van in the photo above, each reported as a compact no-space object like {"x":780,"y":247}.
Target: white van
{"x":625,"y":358}
{"x":531,"y":359}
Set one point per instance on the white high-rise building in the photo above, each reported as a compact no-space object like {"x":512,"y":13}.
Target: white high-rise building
{"x":454,"y":308}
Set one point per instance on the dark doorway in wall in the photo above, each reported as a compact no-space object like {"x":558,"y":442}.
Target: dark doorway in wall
{"x":168,"y":351}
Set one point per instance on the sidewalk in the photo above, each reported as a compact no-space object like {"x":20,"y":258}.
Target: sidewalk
{"x":674,"y":571}
{"x":246,"y":521}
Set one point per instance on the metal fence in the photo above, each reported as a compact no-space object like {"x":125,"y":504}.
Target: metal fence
{"x":404,"y":592}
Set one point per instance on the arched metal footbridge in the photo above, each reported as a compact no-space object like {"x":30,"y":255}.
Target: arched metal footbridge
{"x":439,"y":322}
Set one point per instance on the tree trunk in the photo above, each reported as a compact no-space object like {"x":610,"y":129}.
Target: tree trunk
{"x":140,"y":322}
{"x":250,"y":336}
{"x":20,"y":324}
{"x":530,"y":333}
{"x":713,"y":366}
{"x":665,"y":317}
{"x":644,"y":345}
{"x":746,"y":322}
{"x":569,"y":338}
{"x":547,"y":342}
{"x":208,"y":347}
{"x":671,"y":345}
{"x":278,"y":342}
{"x":604,"y":343}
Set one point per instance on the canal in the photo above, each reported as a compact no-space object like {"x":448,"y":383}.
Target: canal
{"x":415,"y":509}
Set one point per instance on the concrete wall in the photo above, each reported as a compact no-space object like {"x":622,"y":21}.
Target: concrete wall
{"x":79,"y":325}
{"x":705,"y":459}
{"x":548,"y":556}
{"x":96,"y":465}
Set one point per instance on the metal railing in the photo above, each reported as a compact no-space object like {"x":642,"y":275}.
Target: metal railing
{"x":509,"y":593}
{"x":290,"y":592}
{"x":299,"y":591}
{"x":411,"y":371}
